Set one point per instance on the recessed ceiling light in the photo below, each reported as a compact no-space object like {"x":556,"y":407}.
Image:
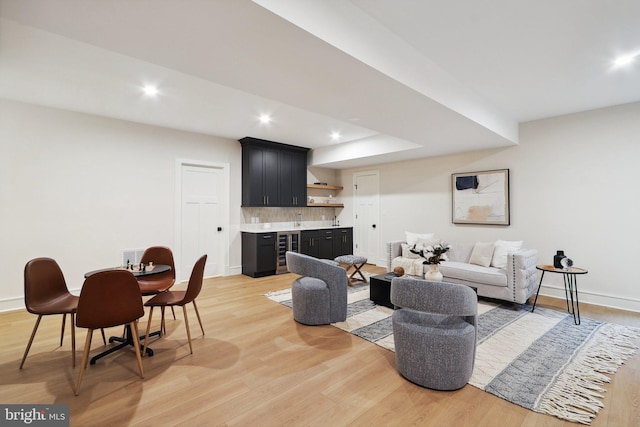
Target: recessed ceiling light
{"x":335,"y":136}
{"x":265,"y":119}
{"x":150,"y":90}
{"x":621,"y":61}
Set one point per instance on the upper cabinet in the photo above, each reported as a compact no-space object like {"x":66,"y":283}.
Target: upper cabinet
{"x":273,"y":174}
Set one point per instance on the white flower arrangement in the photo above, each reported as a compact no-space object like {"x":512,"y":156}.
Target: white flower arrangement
{"x":432,"y":254}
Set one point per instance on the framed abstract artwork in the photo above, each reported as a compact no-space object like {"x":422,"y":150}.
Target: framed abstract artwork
{"x":480,"y":197}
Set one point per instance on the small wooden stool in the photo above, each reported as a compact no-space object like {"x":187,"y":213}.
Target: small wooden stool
{"x":354,"y":261}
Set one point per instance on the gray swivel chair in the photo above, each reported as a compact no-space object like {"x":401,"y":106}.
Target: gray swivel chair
{"x":320,"y":295}
{"x":434,"y":332}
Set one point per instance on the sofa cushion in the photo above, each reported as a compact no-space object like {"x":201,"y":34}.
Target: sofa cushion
{"x":482,"y":253}
{"x":406,"y":252}
{"x":460,"y":252}
{"x":473,"y":273}
{"x":501,"y":250}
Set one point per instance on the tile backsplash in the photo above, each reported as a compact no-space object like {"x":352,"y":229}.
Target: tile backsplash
{"x":281,"y":215}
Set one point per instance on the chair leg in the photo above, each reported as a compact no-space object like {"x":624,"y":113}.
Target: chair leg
{"x":186,"y":323}
{"x":104,"y":339}
{"x":33,"y":334}
{"x":73,"y":340}
{"x":173,"y":312}
{"x":146,"y":335}
{"x":198,"y":314}
{"x":85,"y":360}
{"x":162,"y":329}
{"x":136,"y":345}
{"x":64,"y":321}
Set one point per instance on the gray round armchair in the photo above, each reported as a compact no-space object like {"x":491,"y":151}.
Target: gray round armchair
{"x":434,"y":332}
{"x":320,"y":295}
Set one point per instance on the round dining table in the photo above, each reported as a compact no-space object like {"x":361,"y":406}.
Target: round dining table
{"x":127,"y":340}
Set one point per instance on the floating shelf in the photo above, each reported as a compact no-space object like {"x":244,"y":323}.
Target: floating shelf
{"x":326,"y":205}
{"x":325,"y":187}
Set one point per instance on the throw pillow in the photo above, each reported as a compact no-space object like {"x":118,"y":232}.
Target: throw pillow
{"x":482,"y":254}
{"x":503,"y":247}
{"x":423,"y":243}
{"x":406,"y":252}
{"x":412,"y":238}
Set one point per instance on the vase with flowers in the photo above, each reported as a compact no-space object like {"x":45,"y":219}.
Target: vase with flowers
{"x":433,"y":255}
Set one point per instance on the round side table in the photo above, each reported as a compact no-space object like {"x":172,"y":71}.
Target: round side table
{"x":570,"y":287}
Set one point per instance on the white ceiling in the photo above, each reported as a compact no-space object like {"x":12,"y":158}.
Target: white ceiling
{"x":398,"y":79}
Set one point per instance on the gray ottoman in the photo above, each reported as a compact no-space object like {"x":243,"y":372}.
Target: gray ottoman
{"x":354,"y":261}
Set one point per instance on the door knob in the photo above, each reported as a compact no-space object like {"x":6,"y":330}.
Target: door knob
{"x":374,"y":226}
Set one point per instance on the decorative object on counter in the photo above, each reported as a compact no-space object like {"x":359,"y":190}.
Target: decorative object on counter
{"x":557,"y":258}
{"x":398,"y":271}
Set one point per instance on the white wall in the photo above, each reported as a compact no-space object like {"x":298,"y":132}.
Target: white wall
{"x":80,"y":188}
{"x":575,"y":186}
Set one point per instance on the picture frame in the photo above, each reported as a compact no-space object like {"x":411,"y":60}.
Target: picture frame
{"x":480,"y":197}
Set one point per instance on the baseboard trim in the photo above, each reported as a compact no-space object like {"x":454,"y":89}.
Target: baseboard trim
{"x":620,"y":303}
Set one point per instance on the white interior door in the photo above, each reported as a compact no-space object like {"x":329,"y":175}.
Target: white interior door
{"x":366,"y":216}
{"x":201,"y":218}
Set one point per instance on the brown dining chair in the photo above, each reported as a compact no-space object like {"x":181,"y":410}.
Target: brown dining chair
{"x":180,"y":298}
{"x":46,"y":293}
{"x":109,"y":298}
{"x":156,"y":283}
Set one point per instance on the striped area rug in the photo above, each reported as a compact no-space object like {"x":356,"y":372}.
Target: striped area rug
{"x":540,"y":361}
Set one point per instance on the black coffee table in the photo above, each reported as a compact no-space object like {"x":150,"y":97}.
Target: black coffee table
{"x":380,"y":289}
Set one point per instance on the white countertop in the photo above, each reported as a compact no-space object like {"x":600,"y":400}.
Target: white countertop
{"x":287,"y":226}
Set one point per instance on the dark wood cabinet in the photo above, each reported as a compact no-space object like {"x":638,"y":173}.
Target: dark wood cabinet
{"x":273,"y":174}
{"x":342,"y":241}
{"x":259,"y":254}
{"x":292,"y":178}
{"x":327,"y":243}
{"x":309,"y":242}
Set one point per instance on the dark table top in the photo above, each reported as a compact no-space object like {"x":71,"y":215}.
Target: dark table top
{"x":156,"y":269}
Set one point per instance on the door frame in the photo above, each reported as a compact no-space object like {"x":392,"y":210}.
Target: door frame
{"x":376,"y":173}
{"x":224,"y":240}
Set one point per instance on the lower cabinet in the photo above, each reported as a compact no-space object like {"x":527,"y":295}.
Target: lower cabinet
{"x":309,"y":244}
{"x":260,"y":250}
{"x":327,"y":243}
{"x":259,"y":254}
{"x":342,"y":241}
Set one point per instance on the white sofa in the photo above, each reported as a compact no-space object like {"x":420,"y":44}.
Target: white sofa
{"x":516,"y":282}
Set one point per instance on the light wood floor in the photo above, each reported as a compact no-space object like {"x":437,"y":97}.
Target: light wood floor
{"x":257,"y":367}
